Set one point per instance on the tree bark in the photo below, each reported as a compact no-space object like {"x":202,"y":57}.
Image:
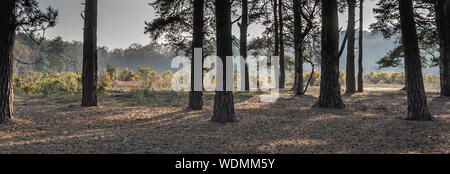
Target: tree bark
{"x":446,"y":61}
{"x":360,"y":48}
{"x":350,"y":78}
{"x":196,"y":97}
{"x":282,"y":58}
{"x":7,"y":32}
{"x":223,"y":100}
{"x":276,"y":36}
{"x":330,"y":89}
{"x":258,"y":87}
{"x":90,"y":65}
{"x":417,"y":101}
{"x":243,"y":41}
{"x":442,"y":13}
{"x":298,"y":47}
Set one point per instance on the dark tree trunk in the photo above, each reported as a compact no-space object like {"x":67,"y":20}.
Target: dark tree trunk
{"x":223,"y":100}
{"x":442,"y":13}
{"x":417,"y":100}
{"x":196,"y":97}
{"x":446,"y":61}
{"x":243,"y":41}
{"x":276,"y":36}
{"x":89,"y":76}
{"x":298,"y":81}
{"x":330,"y":89}
{"x":360,"y":48}
{"x":350,"y":78}
{"x":7,"y":31}
{"x":258,"y":87}
{"x":282,"y":59}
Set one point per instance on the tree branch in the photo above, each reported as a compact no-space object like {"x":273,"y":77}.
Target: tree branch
{"x":344,"y":42}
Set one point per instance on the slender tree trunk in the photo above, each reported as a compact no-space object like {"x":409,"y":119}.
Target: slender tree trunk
{"x":243,"y":41}
{"x":442,"y":13}
{"x":282,"y":58}
{"x":223,"y":100}
{"x":350,"y":78}
{"x":330,"y":89}
{"x":417,"y":100}
{"x":196,"y":97}
{"x":276,"y":36}
{"x":440,"y":23}
{"x":298,"y":48}
{"x":89,"y":76}
{"x":446,"y":61}
{"x":7,"y":31}
{"x":258,"y":87}
{"x":360,"y":48}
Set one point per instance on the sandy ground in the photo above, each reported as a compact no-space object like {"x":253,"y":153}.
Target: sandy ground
{"x":371,"y":123}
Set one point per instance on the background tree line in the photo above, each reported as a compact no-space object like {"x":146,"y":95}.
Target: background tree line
{"x":57,"y":55}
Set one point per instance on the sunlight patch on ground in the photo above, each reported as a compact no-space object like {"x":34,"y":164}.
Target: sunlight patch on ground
{"x":445,"y":116}
{"x":324,"y":117}
{"x":4,"y":136}
{"x":291,"y":142}
{"x":382,"y":89}
{"x":22,"y":121}
{"x":47,"y":140}
{"x":139,"y":114}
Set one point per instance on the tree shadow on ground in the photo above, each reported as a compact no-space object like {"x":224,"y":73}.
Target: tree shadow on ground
{"x":289,"y":125}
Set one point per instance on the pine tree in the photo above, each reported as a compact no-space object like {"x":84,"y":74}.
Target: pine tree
{"x":298,"y":82}
{"x":417,"y":100}
{"x":306,"y":16}
{"x":223,"y":100}
{"x":14,"y":15}
{"x":196,"y":97}
{"x":360,"y":47}
{"x":90,"y":62}
{"x":350,"y":77}
{"x":330,"y":89}
{"x":442,"y":13}
{"x":282,"y":62}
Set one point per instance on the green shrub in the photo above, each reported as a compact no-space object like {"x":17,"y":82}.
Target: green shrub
{"x":127,"y":75}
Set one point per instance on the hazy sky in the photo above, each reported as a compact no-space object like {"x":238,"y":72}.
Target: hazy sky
{"x":121,"y":22}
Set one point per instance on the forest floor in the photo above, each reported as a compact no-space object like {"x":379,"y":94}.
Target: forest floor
{"x":371,"y":123}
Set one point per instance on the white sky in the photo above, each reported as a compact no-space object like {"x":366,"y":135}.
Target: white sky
{"x":121,"y":22}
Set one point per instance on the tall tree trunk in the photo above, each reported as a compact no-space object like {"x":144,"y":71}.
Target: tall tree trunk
{"x":350,"y":78}
{"x":258,"y":87}
{"x":330,"y":89}
{"x":196,"y":97}
{"x":417,"y":100}
{"x":276,"y":36}
{"x":442,"y":13}
{"x":223,"y":100}
{"x":446,"y":61}
{"x":7,"y":31}
{"x":282,"y":58}
{"x":243,"y":40}
{"x":298,"y":47}
{"x":89,"y":76}
{"x":360,"y":48}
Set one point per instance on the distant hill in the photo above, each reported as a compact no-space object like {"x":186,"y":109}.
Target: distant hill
{"x":375,"y":46}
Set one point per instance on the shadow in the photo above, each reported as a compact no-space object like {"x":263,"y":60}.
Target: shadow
{"x":289,"y":125}
{"x":439,"y":105}
{"x":350,"y":130}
